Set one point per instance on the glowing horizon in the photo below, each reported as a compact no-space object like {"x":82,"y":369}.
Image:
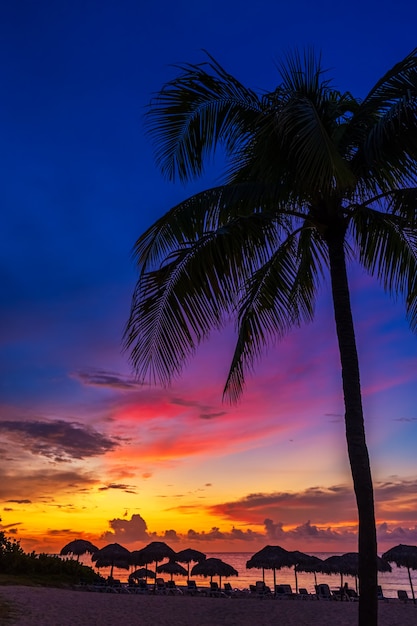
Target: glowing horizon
{"x":87,"y":451}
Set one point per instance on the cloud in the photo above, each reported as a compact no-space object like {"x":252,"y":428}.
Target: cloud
{"x":58,"y":440}
{"x":395,"y":501}
{"x":216,"y":534}
{"x":210,"y":416}
{"x":121,"y":486}
{"x":308,"y":532}
{"x":335,"y":503}
{"x":315,"y":536}
{"x":127,"y":531}
{"x":171,"y":535}
{"x":42,"y":484}
{"x":398,"y":534}
{"x":9,"y":526}
{"x":112,"y":380}
{"x":404,"y":419}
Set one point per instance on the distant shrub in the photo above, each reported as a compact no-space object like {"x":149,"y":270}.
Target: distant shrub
{"x":14,"y":561}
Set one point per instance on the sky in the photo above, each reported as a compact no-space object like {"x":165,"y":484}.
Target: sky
{"x":85,"y":450}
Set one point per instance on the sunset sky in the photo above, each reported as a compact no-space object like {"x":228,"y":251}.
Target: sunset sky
{"x":87,"y":452}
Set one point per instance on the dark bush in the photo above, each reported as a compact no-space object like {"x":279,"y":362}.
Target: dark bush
{"x":41,"y":568}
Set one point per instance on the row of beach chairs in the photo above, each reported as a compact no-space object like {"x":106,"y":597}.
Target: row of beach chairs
{"x":259,"y":589}
{"x":322,"y":592}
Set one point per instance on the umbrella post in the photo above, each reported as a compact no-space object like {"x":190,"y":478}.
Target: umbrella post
{"x":403,"y":556}
{"x":411,"y":585}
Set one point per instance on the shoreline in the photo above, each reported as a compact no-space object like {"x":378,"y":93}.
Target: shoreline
{"x":46,"y":606}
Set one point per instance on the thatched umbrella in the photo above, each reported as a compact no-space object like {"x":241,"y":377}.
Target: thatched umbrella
{"x":78,"y":547}
{"x":271,"y":557}
{"x":302,"y":561}
{"x":139,"y":574}
{"x":348,"y":564}
{"x":137,"y":558}
{"x":155,"y":552}
{"x":312,"y":565}
{"x":112,"y":555}
{"x":214,"y":567}
{"x":171,"y":567}
{"x":403,"y":556}
{"x":188,"y":555}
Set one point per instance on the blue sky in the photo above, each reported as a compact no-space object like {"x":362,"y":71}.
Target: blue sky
{"x":79,"y":184}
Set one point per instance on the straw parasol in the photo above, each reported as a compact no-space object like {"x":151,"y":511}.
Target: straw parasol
{"x":301,"y":561}
{"x":348,"y":565}
{"x":188,"y":555}
{"x":137,"y":558}
{"x":312,"y":565}
{"x":403,"y":556}
{"x":112,"y":555}
{"x":78,"y":547}
{"x":214,"y":567}
{"x":171,"y":567}
{"x":142,"y":573}
{"x":271,"y":557}
{"x":154,"y":552}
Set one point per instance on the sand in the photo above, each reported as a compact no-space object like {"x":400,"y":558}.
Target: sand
{"x":42,"y":606}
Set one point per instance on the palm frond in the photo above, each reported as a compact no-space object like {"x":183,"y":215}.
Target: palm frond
{"x":388,"y":250}
{"x":397,"y":82}
{"x":389,"y":152}
{"x":193,"y":290}
{"x":193,"y":113}
{"x":278,"y":296}
{"x":403,"y":203}
{"x":209,"y":211}
{"x":316,"y":158}
{"x":384,"y":127}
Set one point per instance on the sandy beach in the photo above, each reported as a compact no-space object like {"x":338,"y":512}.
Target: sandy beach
{"x":42,"y":606}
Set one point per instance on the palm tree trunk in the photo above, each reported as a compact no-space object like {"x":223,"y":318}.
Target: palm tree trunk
{"x":355,"y":430}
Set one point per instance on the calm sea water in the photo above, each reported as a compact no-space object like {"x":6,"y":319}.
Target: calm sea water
{"x":390,"y":582}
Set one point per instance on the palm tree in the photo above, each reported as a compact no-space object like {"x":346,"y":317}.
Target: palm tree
{"x":315,"y":178}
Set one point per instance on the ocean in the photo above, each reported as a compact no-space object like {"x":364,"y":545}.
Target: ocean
{"x":389,"y":581}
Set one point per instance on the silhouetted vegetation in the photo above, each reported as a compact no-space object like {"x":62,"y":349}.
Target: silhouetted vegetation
{"x":19,"y":567}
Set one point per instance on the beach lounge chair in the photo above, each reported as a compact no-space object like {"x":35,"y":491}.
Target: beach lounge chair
{"x":323,"y":592}
{"x":303,"y":594}
{"x":232,"y":592}
{"x":346,"y":593}
{"x":142,"y":587}
{"x":260,"y":589}
{"x":402,"y":595}
{"x":191,"y":588}
{"x":228,"y":590}
{"x":216,"y":591}
{"x":283,"y":591}
{"x":172,"y":589}
{"x":160,"y":586}
{"x":288,"y":591}
{"x":280,"y":592}
{"x":380,"y":594}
